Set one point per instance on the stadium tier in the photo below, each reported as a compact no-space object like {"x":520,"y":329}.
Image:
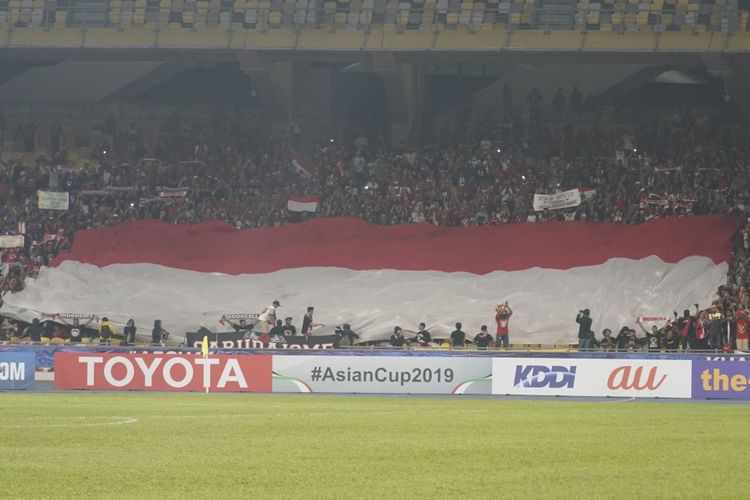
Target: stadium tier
{"x":677,"y":25}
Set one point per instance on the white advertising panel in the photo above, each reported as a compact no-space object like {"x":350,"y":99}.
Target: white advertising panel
{"x":382,"y":374}
{"x":642,"y":378}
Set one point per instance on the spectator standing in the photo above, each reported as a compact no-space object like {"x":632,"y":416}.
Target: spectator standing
{"x":458,"y":337}
{"x":129,"y":333}
{"x":742,"y":327}
{"x":503,"y":313}
{"x":289,"y":329}
{"x":158,"y":334}
{"x":714,"y":327}
{"x":686,"y":329}
{"x":35,"y":331}
{"x":653,"y":338}
{"x":267,"y":319}
{"x":242,"y":327}
{"x":584,"y":329}
{"x":308,"y":323}
{"x":75,"y":330}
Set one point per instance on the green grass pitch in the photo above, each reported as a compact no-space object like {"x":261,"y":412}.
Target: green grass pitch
{"x":312,"y":446}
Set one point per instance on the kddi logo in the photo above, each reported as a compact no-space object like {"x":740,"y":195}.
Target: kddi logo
{"x":637,"y":379}
{"x":554,"y":377}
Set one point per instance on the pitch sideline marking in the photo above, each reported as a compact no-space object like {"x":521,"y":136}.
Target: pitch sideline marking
{"x":77,"y":422}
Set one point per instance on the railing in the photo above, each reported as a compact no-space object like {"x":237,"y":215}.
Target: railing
{"x":516,"y":349}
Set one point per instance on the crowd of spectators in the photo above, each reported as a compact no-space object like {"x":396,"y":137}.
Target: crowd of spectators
{"x":195,"y":170}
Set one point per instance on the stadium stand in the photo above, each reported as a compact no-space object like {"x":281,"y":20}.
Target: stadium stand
{"x":657,"y":15}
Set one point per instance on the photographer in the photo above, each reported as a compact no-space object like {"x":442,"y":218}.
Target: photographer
{"x":584,"y":330}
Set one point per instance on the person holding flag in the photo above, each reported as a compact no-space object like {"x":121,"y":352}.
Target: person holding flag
{"x":503,"y":313}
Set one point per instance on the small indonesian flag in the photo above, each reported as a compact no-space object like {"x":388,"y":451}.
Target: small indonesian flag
{"x":303,"y":203}
{"x":587,"y":193}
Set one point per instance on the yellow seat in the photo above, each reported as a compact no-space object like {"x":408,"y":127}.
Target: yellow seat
{"x":44,"y":340}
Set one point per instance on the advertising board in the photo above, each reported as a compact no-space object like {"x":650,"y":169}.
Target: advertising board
{"x":643,"y":378}
{"x":382,"y":374}
{"x":721,"y":378}
{"x":17,"y":370}
{"x":162,"y":372}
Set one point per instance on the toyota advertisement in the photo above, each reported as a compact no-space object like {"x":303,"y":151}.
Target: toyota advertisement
{"x":641,"y":378}
{"x":162,"y":372}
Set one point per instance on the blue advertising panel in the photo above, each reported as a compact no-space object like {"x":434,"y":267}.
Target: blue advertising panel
{"x":17,"y":370}
{"x":721,"y":378}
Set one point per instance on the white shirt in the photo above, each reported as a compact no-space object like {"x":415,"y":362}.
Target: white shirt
{"x":268,"y":314}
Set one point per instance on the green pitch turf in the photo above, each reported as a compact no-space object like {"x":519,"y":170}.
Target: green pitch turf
{"x":276,"y":446}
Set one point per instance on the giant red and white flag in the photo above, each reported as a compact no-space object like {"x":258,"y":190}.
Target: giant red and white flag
{"x":376,"y":277}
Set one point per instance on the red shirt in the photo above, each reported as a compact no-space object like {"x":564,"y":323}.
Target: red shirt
{"x":743,"y":325}
{"x":11,"y":255}
{"x":502,"y":324}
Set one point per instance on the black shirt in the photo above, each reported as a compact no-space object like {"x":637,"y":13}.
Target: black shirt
{"x":483,"y":339}
{"x":276,"y":331}
{"x":652,"y":340}
{"x":242,"y":329}
{"x":423,"y":337}
{"x":289,"y":330}
{"x":584,"y":326}
{"x":91,"y":333}
{"x":607,"y":343}
{"x":349,"y":333}
{"x":307,"y":324}
{"x":457,"y":338}
{"x":397,"y":340}
{"x":129,"y":333}
{"x":36,"y":332}
{"x":75,"y":333}
{"x":622,"y":339}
